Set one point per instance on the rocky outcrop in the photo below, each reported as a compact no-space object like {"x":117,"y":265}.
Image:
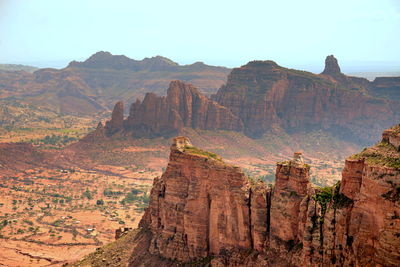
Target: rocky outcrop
{"x":204,"y":211}
{"x":263,"y":97}
{"x":356,"y":223}
{"x":267,"y":96}
{"x":184,"y":106}
{"x":331,"y":66}
{"x":199,"y":207}
{"x":292,"y":184}
{"x":117,"y":119}
{"x":392,"y":136}
{"x":202,"y":208}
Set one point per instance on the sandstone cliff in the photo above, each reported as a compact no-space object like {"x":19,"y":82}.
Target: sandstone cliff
{"x":204,"y":211}
{"x":184,"y":106}
{"x":266,"y":96}
{"x":200,"y":206}
{"x":263,"y":97}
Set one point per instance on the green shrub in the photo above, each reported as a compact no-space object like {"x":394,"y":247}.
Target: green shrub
{"x":197,"y":151}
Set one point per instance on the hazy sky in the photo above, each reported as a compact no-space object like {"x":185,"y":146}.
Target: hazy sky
{"x":362,"y":34}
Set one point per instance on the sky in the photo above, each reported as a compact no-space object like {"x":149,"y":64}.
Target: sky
{"x":363,"y":34}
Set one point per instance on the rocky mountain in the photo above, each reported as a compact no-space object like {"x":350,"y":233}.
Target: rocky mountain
{"x":205,"y":211}
{"x":262,"y":96}
{"x":265,"y":95}
{"x":93,"y":86}
{"x":184,"y":106}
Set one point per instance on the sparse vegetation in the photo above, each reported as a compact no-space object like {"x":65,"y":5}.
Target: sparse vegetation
{"x":325,"y":195}
{"x":200,"y":152}
{"x":383,"y":154}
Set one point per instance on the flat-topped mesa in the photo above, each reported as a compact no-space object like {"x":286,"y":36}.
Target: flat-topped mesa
{"x":331,"y":66}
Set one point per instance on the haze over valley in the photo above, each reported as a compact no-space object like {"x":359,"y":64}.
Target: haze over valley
{"x":186,"y":134}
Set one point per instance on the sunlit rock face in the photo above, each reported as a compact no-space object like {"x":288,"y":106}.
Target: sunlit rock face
{"x":204,"y":209}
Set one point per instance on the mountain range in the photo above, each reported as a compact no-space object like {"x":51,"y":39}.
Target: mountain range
{"x":93,"y":86}
{"x":262,"y":96}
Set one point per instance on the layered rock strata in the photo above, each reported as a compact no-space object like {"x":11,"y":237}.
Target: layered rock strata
{"x":267,"y":96}
{"x":262,"y":96}
{"x":203,"y":209}
{"x":200,"y":207}
{"x":184,"y":106}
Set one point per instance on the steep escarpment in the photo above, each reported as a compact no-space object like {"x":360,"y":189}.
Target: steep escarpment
{"x":388,"y":87}
{"x":355,"y":222}
{"x":200,"y":206}
{"x":184,"y":106}
{"x":203,"y":211}
{"x":263,"y":97}
{"x":266,"y":96}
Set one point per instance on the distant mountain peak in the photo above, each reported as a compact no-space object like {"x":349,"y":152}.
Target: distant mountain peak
{"x":331,"y":66}
{"x":106,"y":60}
{"x":160,"y":60}
{"x":263,"y":63}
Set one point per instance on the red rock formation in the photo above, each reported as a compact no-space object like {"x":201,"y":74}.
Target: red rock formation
{"x":199,"y":207}
{"x":184,"y":106}
{"x":204,"y":211}
{"x":331,"y":66}
{"x":392,"y":136}
{"x":291,"y":186}
{"x":356,"y":223}
{"x":117,"y":119}
{"x":360,"y":224}
{"x":266,"y":96}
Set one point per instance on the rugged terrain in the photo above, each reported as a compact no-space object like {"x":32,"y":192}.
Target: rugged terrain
{"x":265,"y":95}
{"x":261,"y":97}
{"x":205,"y":211}
{"x":92,"y":86}
{"x":47,"y":182}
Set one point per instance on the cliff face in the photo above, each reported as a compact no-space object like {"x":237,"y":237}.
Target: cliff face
{"x":292,"y":185}
{"x":388,"y":87}
{"x":184,"y":106}
{"x":265,"y":95}
{"x":202,"y":208}
{"x":204,"y":211}
{"x":359,"y":225}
